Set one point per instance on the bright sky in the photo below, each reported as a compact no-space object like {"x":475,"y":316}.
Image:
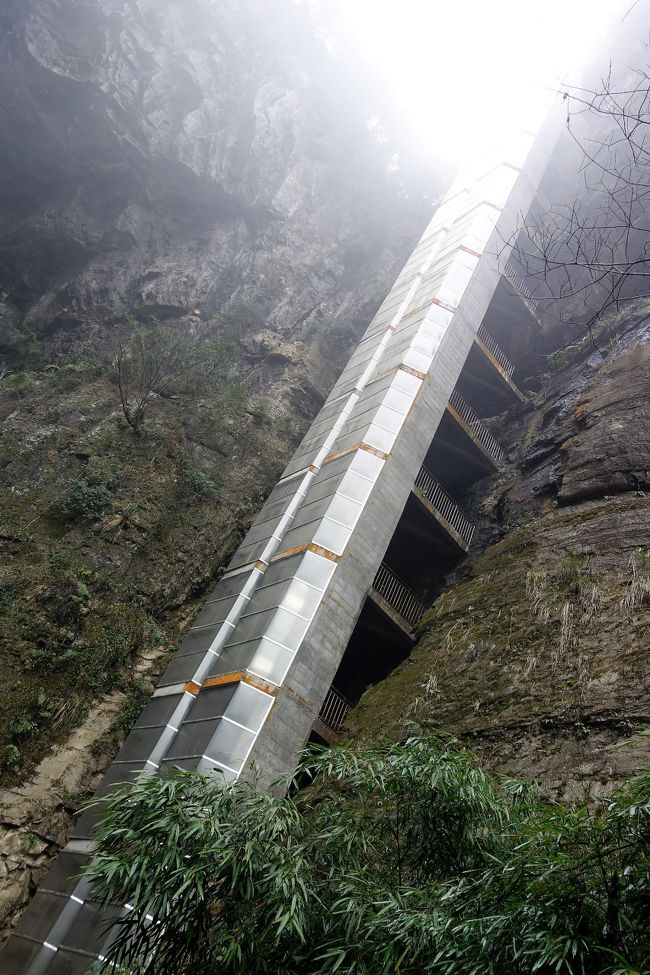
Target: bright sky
{"x":459,"y":67}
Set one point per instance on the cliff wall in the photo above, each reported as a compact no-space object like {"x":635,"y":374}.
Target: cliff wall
{"x":537,"y":654}
{"x":208,"y":166}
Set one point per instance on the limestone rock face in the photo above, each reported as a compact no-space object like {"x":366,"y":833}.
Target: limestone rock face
{"x":193,"y":162}
{"x":539,"y":657}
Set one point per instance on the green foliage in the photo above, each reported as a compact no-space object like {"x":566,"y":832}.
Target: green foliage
{"x":25,"y":346}
{"x":194,"y":484}
{"x":402,"y":859}
{"x":9,"y":756}
{"x":152,"y":359}
{"x":84,"y":500}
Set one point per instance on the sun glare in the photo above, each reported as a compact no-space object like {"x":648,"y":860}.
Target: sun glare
{"x":462,"y":70}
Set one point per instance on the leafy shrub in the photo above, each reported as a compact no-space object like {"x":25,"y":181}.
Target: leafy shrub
{"x":191,"y":485}
{"x":407,"y":859}
{"x":194,"y":483}
{"x":85,"y":499}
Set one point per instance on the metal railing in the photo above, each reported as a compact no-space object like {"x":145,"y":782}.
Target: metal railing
{"x":514,"y":278}
{"x":334,"y":710}
{"x":398,"y":595}
{"x":496,"y":352}
{"x":476,"y":425}
{"x":444,"y":504}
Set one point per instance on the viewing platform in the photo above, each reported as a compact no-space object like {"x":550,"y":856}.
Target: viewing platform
{"x":433,"y":497}
{"x":396,"y":599}
{"x":332,"y":715}
{"x":475,"y":428}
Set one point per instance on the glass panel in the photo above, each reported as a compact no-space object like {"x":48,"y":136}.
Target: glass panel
{"x":67,"y":962}
{"x":417,"y":360}
{"x":230,"y":744}
{"x":232,"y":659}
{"x":432,"y":329}
{"x":326,"y":485}
{"x":88,"y":932}
{"x":201,"y":640}
{"x":367,"y":464}
{"x":281,"y":570}
{"x":249,"y":706}
{"x":313,"y":510}
{"x":247,"y":553}
{"x":316,"y":570}
{"x":168,"y":765}
{"x":356,"y":487}
{"x":451,"y":292}
{"x":251,"y":626}
{"x":193,"y":738}
{"x":273,"y":510}
{"x":61,"y":875}
{"x":427,"y":343}
{"x":181,"y":668}
{"x":380,"y":438}
{"x":302,"y":599}
{"x":287,"y":629}
{"x":212,"y":702}
{"x":332,"y":536}
{"x":271,"y":662}
{"x":519,"y":143}
{"x":344,"y":510}
{"x":261,"y":531}
{"x":139,"y":744}
{"x":216,"y":611}
{"x":158,"y":710}
{"x":268,"y":597}
{"x":398,"y":401}
{"x":300,"y":535}
{"x":44,"y":910}
{"x":499,"y":185}
{"x":208,"y":767}
{"x":389,"y":419}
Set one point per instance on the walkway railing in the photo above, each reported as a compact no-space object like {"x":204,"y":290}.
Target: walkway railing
{"x":444,"y":504}
{"x":496,"y":352}
{"x":398,"y":595}
{"x":476,"y":425}
{"x":513,"y":277}
{"x":334,"y":710}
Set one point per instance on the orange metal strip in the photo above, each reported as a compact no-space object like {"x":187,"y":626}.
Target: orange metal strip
{"x":232,"y":678}
{"x":324,"y":552}
{"x":411,"y":371}
{"x":468,"y":250}
{"x":260,"y":684}
{"x":240,"y":677}
{"x":443,"y":304}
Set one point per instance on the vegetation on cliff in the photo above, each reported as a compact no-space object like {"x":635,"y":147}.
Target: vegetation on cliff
{"x":402,"y":859}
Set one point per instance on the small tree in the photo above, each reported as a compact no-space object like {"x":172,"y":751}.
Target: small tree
{"x":158,"y":360}
{"x":591,"y":254}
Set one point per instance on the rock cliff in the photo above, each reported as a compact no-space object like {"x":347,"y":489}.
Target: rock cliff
{"x":537,"y":654}
{"x":205,"y":165}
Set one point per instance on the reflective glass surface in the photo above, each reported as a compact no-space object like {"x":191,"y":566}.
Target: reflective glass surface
{"x":287,"y":629}
{"x":270,"y":661}
{"x":332,"y":536}
{"x":249,"y":706}
{"x":316,"y":570}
